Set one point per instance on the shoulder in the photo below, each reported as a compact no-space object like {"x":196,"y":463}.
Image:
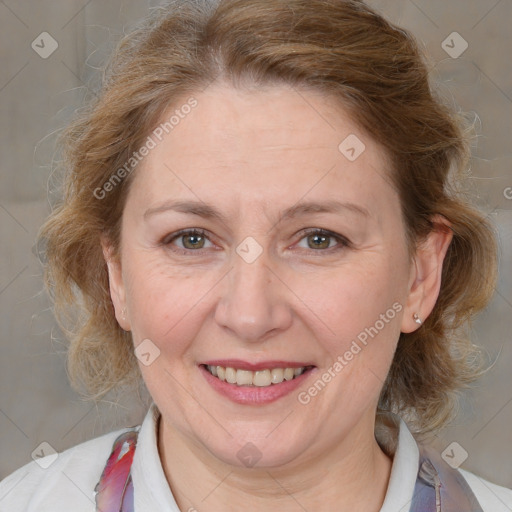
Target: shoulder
{"x":53,"y":483}
{"x":492,"y":497}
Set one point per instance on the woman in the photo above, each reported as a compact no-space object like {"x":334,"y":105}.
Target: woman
{"x":259,"y":219}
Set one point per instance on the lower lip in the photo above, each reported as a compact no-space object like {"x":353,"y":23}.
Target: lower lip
{"x":250,"y":395}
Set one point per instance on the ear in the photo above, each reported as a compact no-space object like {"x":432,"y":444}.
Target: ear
{"x":425,"y":278}
{"x":116,"y":284}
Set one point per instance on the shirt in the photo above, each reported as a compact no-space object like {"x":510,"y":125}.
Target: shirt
{"x":68,"y":481}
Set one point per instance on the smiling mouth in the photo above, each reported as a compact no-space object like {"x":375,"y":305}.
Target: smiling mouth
{"x":260,"y":378}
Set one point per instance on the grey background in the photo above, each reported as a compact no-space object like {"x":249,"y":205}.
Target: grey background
{"x":38,"y":96}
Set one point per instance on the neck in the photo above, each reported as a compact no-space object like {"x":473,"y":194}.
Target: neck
{"x":351,"y":477}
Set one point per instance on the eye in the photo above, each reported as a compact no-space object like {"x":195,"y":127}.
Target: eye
{"x":320,"y":239}
{"x":191,"y":239}
{"x":194,"y":240}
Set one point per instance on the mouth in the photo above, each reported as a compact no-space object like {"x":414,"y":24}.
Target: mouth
{"x":249,"y":384}
{"x":260,"y":378}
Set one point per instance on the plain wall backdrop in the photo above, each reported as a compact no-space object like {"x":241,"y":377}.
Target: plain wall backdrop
{"x":38,"y":95}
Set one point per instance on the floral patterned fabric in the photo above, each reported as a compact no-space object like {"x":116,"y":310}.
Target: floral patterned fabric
{"x":114,"y":491}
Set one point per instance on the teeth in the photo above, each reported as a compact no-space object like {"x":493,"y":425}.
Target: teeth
{"x":260,"y":378}
{"x":243,"y":377}
{"x":277,"y":375}
{"x":231,"y":375}
{"x":288,"y":374}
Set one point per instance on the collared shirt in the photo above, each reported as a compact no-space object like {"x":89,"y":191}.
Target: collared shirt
{"x":68,"y":482}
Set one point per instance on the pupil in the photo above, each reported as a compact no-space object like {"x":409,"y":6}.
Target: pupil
{"x":194,"y":240}
{"x":321,"y":239}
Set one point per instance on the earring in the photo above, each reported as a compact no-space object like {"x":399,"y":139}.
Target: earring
{"x":417,"y":319}
{"x":123,"y":313}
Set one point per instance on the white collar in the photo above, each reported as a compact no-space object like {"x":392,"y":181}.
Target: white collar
{"x":396,"y":439}
{"x":152,"y":491}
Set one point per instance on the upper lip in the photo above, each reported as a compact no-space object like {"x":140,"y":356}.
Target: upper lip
{"x":239,"y":364}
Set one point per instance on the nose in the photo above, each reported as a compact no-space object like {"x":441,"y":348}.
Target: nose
{"x":253,"y":305}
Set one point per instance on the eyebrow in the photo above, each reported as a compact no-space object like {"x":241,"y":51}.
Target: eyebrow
{"x":205,"y":210}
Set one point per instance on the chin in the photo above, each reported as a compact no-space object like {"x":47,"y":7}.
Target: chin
{"x":257,"y":451}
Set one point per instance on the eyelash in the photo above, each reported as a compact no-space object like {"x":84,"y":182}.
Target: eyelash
{"x":342,"y":241}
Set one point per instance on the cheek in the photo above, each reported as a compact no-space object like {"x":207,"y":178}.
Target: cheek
{"x":353,"y":298}
{"x":363,"y":308}
{"x":165,"y":302}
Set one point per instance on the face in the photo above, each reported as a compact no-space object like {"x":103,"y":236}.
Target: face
{"x":251,"y":241}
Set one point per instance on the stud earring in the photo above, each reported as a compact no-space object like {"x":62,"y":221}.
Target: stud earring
{"x":123,"y":313}
{"x":417,"y":319}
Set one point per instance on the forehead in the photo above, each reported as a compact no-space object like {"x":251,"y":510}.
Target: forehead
{"x":262,"y":145}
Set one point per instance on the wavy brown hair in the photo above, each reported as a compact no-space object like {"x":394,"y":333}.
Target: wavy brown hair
{"x":341,"y":48}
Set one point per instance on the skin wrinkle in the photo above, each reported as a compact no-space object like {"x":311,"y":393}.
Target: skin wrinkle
{"x":278,"y":307}
{"x":244,"y":151}
{"x":254,"y":147}
{"x":427,"y":145}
